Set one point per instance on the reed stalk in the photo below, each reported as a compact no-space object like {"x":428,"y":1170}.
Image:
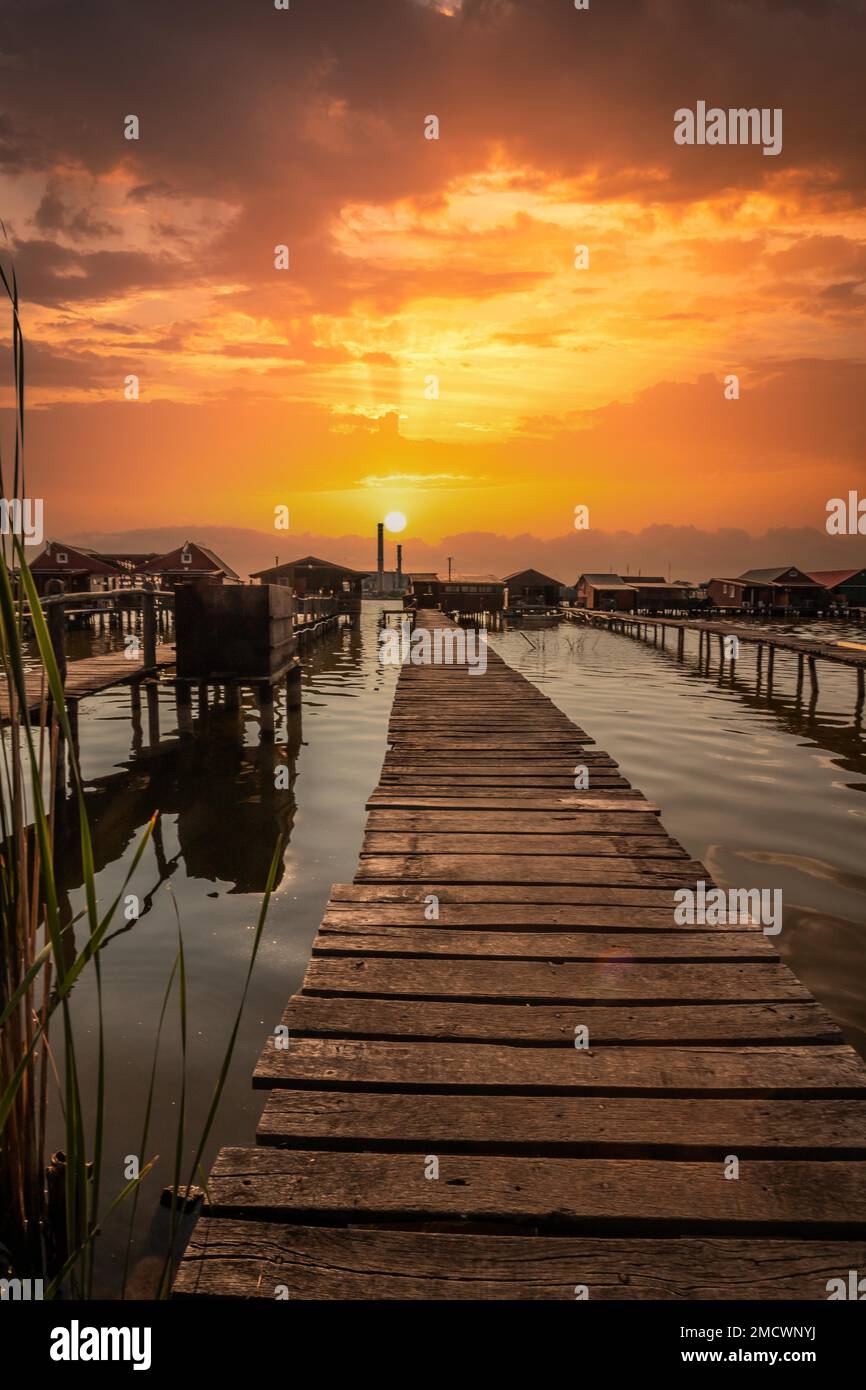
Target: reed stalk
{"x":52,"y":1213}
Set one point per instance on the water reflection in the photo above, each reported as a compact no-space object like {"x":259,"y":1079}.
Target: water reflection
{"x":221,"y":807}
{"x":766,"y":787}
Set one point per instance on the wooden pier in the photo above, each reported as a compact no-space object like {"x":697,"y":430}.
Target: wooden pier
{"x":92,"y":674}
{"x":808,"y":651}
{"x":510,"y":1075}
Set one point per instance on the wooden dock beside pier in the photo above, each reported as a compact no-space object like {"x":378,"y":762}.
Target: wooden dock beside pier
{"x":88,"y":677}
{"x":808,"y":650}
{"x":431,"y":1129}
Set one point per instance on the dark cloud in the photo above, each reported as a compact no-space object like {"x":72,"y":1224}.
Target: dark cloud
{"x":290,"y":115}
{"x":54,"y":215}
{"x":52,"y":274}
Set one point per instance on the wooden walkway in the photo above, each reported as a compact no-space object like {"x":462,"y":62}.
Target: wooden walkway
{"x":806,"y":649}
{"x":419,"y":1045}
{"x":86,"y":677}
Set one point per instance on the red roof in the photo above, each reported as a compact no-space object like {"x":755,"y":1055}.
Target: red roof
{"x":828,"y":579}
{"x":77,"y":560}
{"x":200,"y":561}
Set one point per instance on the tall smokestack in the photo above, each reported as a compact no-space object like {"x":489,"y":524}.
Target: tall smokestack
{"x":380,"y":555}
{"x":399,"y":566}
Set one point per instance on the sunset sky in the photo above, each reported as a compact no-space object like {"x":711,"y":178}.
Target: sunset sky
{"x":410,"y":258}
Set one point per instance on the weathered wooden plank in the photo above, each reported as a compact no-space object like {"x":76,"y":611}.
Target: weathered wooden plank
{"x":551,"y":917}
{"x":515,"y":770}
{"x":343,"y":916}
{"x":529,"y":894}
{"x":507,"y":868}
{"x":364,"y":1064}
{"x":549,"y":822}
{"x":551,"y":1024}
{"x":517,"y":804}
{"x":502,"y":798}
{"x":560,"y":759}
{"x":451,"y":783}
{"x":513,"y":1124}
{"x":474,"y":777}
{"x":560,"y":1192}
{"x":581,"y":983}
{"x":253,"y":1259}
{"x":626,"y":946}
{"x":435,"y":842}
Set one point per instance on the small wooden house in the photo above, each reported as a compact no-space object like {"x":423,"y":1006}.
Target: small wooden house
{"x":462,"y":593}
{"x":189,"y":562}
{"x":423,"y":590}
{"x":654,"y":595}
{"x":846,"y":588}
{"x":726,"y":593}
{"x":609,"y":592}
{"x":311,"y":577}
{"x":531,"y":588}
{"x":73,"y":569}
{"x":782,"y":588}
{"x":472,"y":593}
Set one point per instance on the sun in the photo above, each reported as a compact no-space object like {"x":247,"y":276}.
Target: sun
{"x":395,"y":521}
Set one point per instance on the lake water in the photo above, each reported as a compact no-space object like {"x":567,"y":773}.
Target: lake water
{"x":768,"y":792}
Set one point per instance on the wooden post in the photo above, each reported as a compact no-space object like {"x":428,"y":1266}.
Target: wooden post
{"x":861,"y":686}
{"x":72,"y":715}
{"x":760,"y":662}
{"x":799,"y":674}
{"x":721,"y":649}
{"x":202,"y":699}
{"x":55,"y":618}
{"x":152,"y":690}
{"x":148,"y":622}
{"x":232,"y":695}
{"x":293,"y":686}
{"x":771,"y":660}
{"x":813,"y":675}
{"x":681,"y":643}
{"x":135,"y":693}
{"x":183,"y":696}
{"x":266,"y":710}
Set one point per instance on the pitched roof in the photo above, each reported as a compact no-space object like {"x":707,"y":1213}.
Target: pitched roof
{"x":772,"y":576}
{"x":531,"y":577}
{"x":831,"y":579}
{"x":308,"y":562}
{"x":473,"y":579}
{"x":608,"y":581}
{"x":203,"y":561}
{"x":88,"y":562}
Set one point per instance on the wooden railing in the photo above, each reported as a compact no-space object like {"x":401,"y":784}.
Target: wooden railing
{"x":57,"y":608}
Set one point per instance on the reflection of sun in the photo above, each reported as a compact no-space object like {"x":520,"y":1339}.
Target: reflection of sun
{"x":395,"y":521}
